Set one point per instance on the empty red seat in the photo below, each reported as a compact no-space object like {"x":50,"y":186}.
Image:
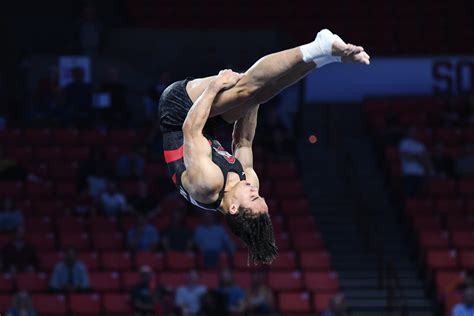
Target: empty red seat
{"x":85,"y":304}
{"x":104,"y":225}
{"x":209,"y":279}
{"x":321,"y":281}
{"x":442,"y":259}
{"x":449,"y":206}
{"x":36,"y":190}
{"x":291,"y":302}
{"x":6,"y":283}
{"x":429,"y":222}
{"x":284,"y":261}
{"x":447,"y":281}
{"x":179,"y":260}
{"x":463,"y":239}
{"x":107,"y":241}
{"x":295,"y":206}
{"x":434,"y":239}
{"x":285,"y":280}
{"x":129,"y":280}
{"x":42,"y":242}
{"x":448,"y":136}
{"x":459,"y":222}
{"x":321,"y":301}
{"x":442,"y":187}
{"x":154,"y":260}
{"x":37,"y":136}
{"x":117,"y":261}
{"x":90,"y":260}
{"x":116,"y":304}
{"x":289,"y":189}
{"x":70,"y":224}
{"x":122,"y":137}
{"x":452,"y":299}
{"x":315,"y":261}
{"x":307,"y":241}
{"x":5,"y":302}
{"x":281,"y":170}
{"x":51,"y":305}
{"x":65,"y":136}
{"x":47,"y":154}
{"x":38,"y":225}
{"x":32,"y":282}
{"x":92,"y":137}
{"x":172,"y":279}
{"x":66,"y":189}
{"x":419,"y":206}
{"x":466,"y":187}
{"x":13,"y":189}
{"x":466,"y":259}
{"x":105,"y":281}
{"x":75,"y":153}
{"x":243,"y":279}
{"x":77,"y":240}
{"x":301,"y":223}
{"x":49,"y":259}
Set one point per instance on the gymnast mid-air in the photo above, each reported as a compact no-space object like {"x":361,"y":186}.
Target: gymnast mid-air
{"x":203,"y":171}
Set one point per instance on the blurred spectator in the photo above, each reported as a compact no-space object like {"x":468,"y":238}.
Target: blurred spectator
{"x":10,"y":217}
{"x":150,"y":101}
{"x":113,"y":202}
{"x":148,"y":297}
{"x":93,"y":173}
{"x":337,"y":306}
{"x":234,"y":294}
{"x":259,"y":297}
{"x":144,"y":202}
{"x":465,"y":163}
{"x":213,"y":303}
{"x":188,"y":297}
{"x":177,"y":236}
{"x":118,"y":111}
{"x":211,"y":239}
{"x":466,"y":307}
{"x":69,"y":274}
{"x":442,"y":164}
{"x":90,"y":30}
{"x":77,"y":98}
{"x":22,"y":305}
{"x":131,"y":164}
{"x":46,"y":95}
{"x":415,"y":163}
{"x":451,"y":116}
{"x":10,"y":169}
{"x":470,"y":110}
{"x":142,"y":237}
{"x":19,"y":255}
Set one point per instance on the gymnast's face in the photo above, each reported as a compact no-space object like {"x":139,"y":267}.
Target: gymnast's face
{"x":246,"y":196}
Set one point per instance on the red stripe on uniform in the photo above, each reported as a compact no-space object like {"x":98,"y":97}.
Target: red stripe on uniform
{"x":173,"y":177}
{"x":173,"y":155}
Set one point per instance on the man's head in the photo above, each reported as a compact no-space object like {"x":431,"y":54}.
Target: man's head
{"x":246,"y":214}
{"x":226,"y":278}
{"x":469,"y":295}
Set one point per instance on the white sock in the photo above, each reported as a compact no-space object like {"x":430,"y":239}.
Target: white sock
{"x":320,"y":47}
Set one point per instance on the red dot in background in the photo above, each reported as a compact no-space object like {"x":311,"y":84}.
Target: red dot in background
{"x":312,"y":139}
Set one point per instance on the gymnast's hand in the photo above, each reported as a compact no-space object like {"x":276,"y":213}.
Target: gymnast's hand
{"x":226,"y":79}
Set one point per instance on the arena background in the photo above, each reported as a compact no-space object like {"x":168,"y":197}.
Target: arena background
{"x":81,"y":162}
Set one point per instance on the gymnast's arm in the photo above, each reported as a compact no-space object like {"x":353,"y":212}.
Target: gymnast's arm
{"x":202,"y":178}
{"x":242,"y":140}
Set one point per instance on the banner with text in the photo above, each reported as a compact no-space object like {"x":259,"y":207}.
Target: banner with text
{"x":391,"y":77}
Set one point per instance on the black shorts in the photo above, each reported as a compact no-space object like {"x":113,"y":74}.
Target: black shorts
{"x":174,"y":105}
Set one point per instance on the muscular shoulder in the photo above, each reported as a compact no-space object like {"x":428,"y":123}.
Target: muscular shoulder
{"x":205,"y":185}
